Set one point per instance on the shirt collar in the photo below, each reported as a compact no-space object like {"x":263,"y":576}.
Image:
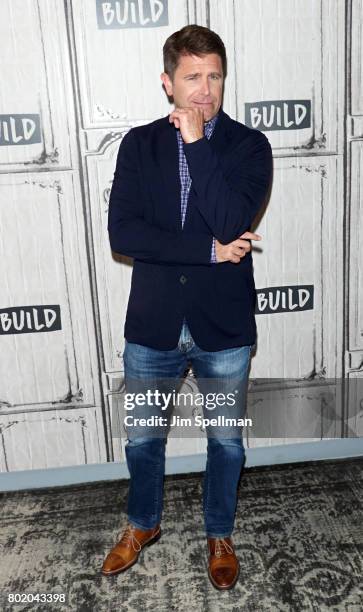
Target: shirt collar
{"x":209,"y":126}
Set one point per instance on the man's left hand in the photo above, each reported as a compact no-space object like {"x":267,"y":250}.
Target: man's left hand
{"x":190,"y":121}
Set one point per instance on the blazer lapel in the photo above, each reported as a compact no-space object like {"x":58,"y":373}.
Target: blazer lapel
{"x":220,"y":136}
{"x":168,"y":158}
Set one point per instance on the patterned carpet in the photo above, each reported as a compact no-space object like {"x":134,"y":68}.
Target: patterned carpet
{"x":298,"y":535}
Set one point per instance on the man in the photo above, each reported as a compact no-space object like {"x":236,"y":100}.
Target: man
{"x":186,"y":190}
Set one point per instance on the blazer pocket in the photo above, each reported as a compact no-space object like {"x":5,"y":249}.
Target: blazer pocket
{"x":234,"y":284}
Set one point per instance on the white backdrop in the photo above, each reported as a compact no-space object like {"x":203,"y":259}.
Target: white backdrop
{"x":75,"y":77}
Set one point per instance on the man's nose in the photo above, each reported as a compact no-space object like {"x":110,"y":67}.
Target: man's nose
{"x":205,"y":86}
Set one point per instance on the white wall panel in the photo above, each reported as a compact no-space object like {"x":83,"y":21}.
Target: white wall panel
{"x":51,"y":439}
{"x":113,"y":272}
{"x":35,"y":80}
{"x":42,"y":261}
{"x":119,"y":69}
{"x":356,"y":249}
{"x":285,"y":50}
{"x":294,"y":412}
{"x":354,"y":353}
{"x":302,"y":245}
{"x":356,"y":58}
{"x":354,"y":226}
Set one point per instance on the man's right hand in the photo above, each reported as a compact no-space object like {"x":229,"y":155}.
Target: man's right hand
{"x":234,"y":251}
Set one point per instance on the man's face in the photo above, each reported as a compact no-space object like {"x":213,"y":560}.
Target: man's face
{"x":198,"y":83}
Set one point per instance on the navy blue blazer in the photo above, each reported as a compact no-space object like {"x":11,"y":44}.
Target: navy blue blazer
{"x":172,"y":275}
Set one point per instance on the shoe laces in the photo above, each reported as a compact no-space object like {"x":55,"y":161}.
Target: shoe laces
{"x":128,"y":537}
{"x":222,"y":547}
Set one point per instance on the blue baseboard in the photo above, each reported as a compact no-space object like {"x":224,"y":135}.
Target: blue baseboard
{"x":267,"y":455}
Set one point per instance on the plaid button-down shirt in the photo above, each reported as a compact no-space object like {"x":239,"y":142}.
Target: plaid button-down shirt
{"x":185,"y":179}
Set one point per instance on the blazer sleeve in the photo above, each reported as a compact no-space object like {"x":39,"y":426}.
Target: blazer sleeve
{"x":131,"y":235}
{"x":229,"y":197}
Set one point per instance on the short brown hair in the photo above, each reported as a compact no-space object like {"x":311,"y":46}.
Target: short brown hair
{"x":192,"y":40}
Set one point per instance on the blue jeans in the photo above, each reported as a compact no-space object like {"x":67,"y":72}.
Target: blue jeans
{"x":145,"y":455}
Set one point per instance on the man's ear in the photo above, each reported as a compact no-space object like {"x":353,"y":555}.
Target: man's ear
{"x":167,"y":82}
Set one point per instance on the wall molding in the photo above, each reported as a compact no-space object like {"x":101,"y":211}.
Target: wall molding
{"x":289,"y":453}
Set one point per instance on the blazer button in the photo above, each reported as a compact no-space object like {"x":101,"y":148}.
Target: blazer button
{"x":183,"y":279}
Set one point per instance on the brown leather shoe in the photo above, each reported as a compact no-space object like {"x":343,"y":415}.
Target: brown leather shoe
{"x":223,"y":566}
{"x":127,"y":550}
